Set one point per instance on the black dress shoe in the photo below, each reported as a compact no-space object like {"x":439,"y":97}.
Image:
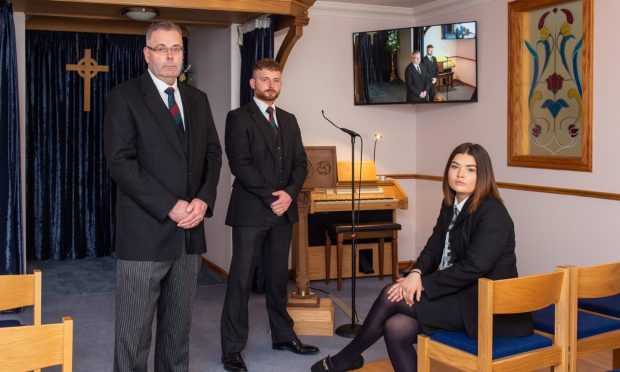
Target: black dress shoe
{"x":326,"y":365}
{"x":234,"y":362}
{"x":296,"y":347}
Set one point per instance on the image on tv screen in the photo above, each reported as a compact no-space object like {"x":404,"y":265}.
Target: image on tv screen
{"x":459,"y":31}
{"x":423,"y":64}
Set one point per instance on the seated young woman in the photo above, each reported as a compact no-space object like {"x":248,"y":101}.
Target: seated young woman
{"x":473,"y":238}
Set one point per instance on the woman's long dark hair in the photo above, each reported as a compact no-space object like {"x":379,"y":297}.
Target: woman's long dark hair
{"x":485,"y":180}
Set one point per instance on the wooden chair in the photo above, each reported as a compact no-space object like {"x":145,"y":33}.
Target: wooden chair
{"x":609,"y":306}
{"x":597,"y":282}
{"x":589,"y":332}
{"x":527,"y":353}
{"x":31,"y":347}
{"x":588,"y":283}
{"x":365,"y":230}
{"x":21,"y":290}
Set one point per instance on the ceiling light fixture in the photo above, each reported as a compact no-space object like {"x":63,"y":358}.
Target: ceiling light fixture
{"x":140,"y":14}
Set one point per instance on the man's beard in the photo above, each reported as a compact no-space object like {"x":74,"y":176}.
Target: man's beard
{"x":263,"y":96}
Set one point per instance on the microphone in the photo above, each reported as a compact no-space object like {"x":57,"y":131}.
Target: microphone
{"x":348,"y":131}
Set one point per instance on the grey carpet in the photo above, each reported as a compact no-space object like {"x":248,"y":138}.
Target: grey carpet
{"x":387,"y":92}
{"x":89,"y":276}
{"x":93,"y":315}
{"x":396,"y":91}
{"x":457,"y":92}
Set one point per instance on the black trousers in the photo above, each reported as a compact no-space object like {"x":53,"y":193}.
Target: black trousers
{"x":274,"y":241}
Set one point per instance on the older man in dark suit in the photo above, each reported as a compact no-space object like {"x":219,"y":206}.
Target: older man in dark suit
{"x":416,"y":80}
{"x":163,"y":151}
{"x":267,"y":158}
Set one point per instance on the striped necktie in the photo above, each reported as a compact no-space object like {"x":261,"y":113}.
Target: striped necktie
{"x":272,"y":120}
{"x":446,"y":258}
{"x":174,"y":109}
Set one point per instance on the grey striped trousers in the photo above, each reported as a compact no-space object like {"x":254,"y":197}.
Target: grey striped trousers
{"x":142,"y":289}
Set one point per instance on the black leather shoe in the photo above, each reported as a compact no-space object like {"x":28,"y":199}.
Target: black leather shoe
{"x":234,"y":362}
{"x":326,"y":365}
{"x":296,"y":347}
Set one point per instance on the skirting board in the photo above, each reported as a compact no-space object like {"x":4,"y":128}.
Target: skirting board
{"x":224,"y":274}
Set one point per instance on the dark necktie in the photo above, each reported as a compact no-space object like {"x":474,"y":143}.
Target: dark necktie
{"x":272,"y":120}
{"x":174,"y":109}
{"x":417,"y":67}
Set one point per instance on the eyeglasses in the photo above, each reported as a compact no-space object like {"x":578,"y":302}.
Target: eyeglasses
{"x":162,"y":50}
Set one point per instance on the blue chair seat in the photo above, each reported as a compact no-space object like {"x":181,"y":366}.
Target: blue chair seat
{"x":588,"y":324}
{"x":604,"y":305}
{"x":9,"y":323}
{"x":502,"y":346}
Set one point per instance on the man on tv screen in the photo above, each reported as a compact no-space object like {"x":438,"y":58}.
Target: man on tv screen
{"x":430,"y":64}
{"x":417,"y":80}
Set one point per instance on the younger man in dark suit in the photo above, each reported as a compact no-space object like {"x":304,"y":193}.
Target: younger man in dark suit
{"x":163,"y":151}
{"x":267,"y":158}
{"x":430,"y":64}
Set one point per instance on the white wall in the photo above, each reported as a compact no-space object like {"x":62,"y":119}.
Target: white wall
{"x":210,"y":54}
{"x":319,"y":76}
{"x":465,"y":63}
{"x":551,"y":229}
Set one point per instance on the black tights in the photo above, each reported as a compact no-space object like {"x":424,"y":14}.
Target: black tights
{"x":396,"y":323}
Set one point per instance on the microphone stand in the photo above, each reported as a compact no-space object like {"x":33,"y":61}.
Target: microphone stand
{"x":350,"y":330}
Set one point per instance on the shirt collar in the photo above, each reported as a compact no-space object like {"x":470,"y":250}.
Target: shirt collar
{"x":262,"y":105}
{"x":459,"y":205}
{"x":161,"y":85}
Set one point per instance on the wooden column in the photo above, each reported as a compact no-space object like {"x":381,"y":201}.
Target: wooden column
{"x":302,"y":295}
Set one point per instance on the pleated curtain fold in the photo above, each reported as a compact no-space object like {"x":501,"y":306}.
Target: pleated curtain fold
{"x":11,"y":245}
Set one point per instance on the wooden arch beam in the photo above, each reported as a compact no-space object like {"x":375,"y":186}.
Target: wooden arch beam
{"x":295,"y":24}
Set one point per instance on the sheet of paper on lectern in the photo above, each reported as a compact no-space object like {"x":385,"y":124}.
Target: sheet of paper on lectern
{"x":369,"y":172}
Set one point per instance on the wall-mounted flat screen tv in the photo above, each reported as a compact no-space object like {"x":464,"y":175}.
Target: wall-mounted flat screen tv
{"x":424,"y":64}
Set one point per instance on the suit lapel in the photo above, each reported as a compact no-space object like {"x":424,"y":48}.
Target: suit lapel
{"x":191,"y":121}
{"x":463,"y":214}
{"x":162,"y":116}
{"x":263,"y":126}
{"x":285,"y":133}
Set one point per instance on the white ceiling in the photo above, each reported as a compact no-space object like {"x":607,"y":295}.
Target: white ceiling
{"x":396,"y":3}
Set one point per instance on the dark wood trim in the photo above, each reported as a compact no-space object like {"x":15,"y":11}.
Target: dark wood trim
{"x":520,"y":186}
{"x":464,"y":83}
{"x":218,"y":270}
{"x":469,"y":59}
{"x":401,"y":265}
{"x":89,"y":25}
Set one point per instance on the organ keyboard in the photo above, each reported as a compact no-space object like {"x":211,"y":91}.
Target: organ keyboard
{"x":376,"y":196}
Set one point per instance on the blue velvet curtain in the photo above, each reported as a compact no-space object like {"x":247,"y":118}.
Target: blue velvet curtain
{"x":365,"y":73}
{"x":11,"y":249}
{"x":70,"y":195}
{"x":257,"y":43}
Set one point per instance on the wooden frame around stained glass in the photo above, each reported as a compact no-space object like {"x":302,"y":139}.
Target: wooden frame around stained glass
{"x":550,"y":84}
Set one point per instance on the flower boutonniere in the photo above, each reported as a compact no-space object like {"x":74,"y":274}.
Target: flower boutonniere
{"x":185,"y":74}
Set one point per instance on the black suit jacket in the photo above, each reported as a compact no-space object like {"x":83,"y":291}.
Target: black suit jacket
{"x":482,"y":246}
{"x":431,"y":67}
{"x":251,"y":150}
{"x":416,"y":83}
{"x":153,"y":169}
